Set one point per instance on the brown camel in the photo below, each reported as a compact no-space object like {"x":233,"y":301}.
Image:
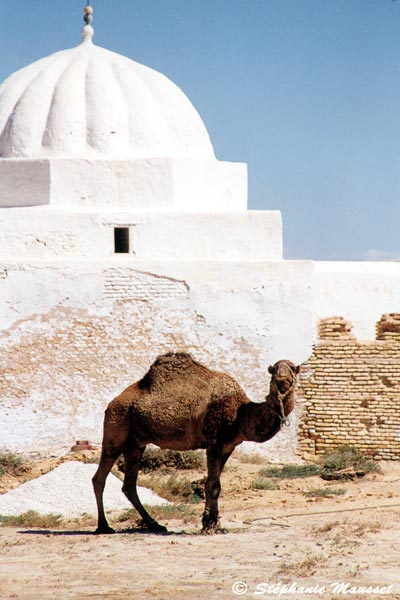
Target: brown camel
{"x":182,"y":405}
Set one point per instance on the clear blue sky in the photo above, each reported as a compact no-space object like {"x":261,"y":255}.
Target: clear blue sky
{"x":307,"y":92}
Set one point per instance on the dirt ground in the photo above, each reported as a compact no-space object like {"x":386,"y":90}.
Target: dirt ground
{"x":276,"y":538}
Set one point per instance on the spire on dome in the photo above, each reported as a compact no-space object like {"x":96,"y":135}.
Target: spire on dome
{"x":87,"y":31}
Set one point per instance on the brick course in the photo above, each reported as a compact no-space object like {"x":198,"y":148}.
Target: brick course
{"x":123,"y":283}
{"x":352,"y":391}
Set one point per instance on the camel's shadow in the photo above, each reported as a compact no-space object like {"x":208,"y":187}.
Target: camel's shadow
{"x":131,"y":531}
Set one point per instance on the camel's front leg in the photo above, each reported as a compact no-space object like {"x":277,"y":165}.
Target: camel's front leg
{"x":216,"y":459}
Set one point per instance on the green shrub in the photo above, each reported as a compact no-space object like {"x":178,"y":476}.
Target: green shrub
{"x":154,"y":459}
{"x":175,"y":488}
{"x":346,"y":462}
{"x":264,"y":484}
{"x":324,"y":492}
{"x":345,"y":457}
{"x":291,"y":471}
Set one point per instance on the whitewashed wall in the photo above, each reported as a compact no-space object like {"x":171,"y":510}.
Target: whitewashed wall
{"x":359,"y":291}
{"x":75,"y":330}
{"x":42,"y":233}
{"x":97,"y":326}
{"x":150,"y":184}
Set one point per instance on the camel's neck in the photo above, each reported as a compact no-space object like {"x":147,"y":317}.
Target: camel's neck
{"x":261,"y":421}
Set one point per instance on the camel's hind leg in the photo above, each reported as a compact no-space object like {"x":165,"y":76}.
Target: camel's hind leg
{"x":132,"y":465}
{"x":115,"y":434}
{"x":99,"y":480}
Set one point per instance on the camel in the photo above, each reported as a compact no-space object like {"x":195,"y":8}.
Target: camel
{"x":182,"y":405}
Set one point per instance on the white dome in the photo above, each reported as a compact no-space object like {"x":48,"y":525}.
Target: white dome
{"x":88,"y":102}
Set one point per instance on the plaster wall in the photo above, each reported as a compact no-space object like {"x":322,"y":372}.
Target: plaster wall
{"x":89,"y":102}
{"x":75,"y":330}
{"x":97,"y":326}
{"x":24,"y":182}
{"x":148,"y":184}
{"x":48,"y":233}
{"x":358,"y":291}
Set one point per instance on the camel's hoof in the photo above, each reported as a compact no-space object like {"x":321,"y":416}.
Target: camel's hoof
{"x":157,"y":528}
{"x":213,"y":529}
{"x":104,"y":530}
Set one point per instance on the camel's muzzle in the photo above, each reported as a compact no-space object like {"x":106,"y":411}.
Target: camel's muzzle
{"x":284,"y":385}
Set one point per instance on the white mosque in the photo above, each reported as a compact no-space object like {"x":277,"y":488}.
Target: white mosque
{"x":122,"y":236}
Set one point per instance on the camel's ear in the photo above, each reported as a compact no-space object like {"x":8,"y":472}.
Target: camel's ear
{"x":298,"y":369}
{"x":271,"y":369}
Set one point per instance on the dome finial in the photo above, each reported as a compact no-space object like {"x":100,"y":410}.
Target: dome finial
{"x":87,"y":31}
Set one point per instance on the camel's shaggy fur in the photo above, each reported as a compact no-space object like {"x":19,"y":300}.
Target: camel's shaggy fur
{"x":182,"y":405}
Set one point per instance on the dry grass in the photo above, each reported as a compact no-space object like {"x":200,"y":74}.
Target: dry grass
{"x":175,"y":488}
{"x":250,"y":458}
{"x":363,"y":527}
{"x":326,"y":527}
{"x":343,"y":539}
{"x":349,"y":529}
{"x":12,"y":464}
{"x":355,"y":571}
{"x":32,"y":519}
{"x":327,"y":492}
{"x":302,"y":568}
{"x":85,"y":520}
{"x":154,"y":459}
{"x":345,"y":534}
{"x":182,"y":512}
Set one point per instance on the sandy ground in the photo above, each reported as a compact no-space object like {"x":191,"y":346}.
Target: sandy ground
{"x":276,"y":538}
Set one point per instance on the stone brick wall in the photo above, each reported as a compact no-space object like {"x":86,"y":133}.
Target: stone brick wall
{"x":126,"y":283}
{"x":352,"y":391}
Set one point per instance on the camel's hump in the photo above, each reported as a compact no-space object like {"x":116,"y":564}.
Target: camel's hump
{"x":175,"y":359}
{"x":171,"y":365}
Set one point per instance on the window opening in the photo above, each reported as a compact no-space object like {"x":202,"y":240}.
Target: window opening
{"x":121,"y":240}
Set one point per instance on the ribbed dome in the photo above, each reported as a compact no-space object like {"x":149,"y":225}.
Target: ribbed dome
{"x":88,"y":102}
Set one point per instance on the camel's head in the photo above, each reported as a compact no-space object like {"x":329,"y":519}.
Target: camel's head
{"x":284,"y":375}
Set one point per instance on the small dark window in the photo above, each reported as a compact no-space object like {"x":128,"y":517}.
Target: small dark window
{"x":121,"y":239}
